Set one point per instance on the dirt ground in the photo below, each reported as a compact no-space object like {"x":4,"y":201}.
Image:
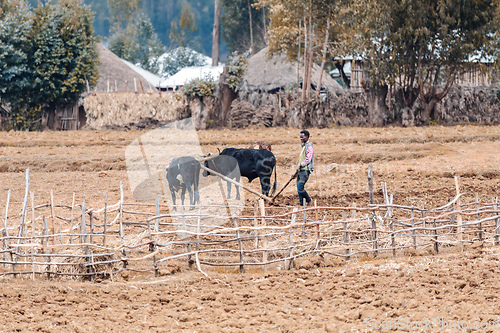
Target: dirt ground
{"x":408,"y":293}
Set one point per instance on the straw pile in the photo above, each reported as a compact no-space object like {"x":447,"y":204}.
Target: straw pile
{"x":129,"y":110}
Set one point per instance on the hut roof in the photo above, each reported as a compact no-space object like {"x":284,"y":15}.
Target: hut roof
{"x":116,"y":75}
{"x":270,"y":74}
{"x":189,"y":73}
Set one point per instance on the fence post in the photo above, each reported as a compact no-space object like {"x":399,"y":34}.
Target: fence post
{"x":45,"y":234}
{"x":304,"y":206}
{"x":5,"y":232}
{"x":264,"y":240}
{"x":497,"y":222}
{"x":436,"y":244}
{"x":157,"y":212}
{"x":242,"y":268}
{"x":256,"y":222}
{"x":479,"y":226}
{"x":413,"y":232}
{"x":370,"y":183}
{"x":374,"y":234}
{"x":290,"y":239}
{"x":121,"y":217}
{"x":105,"y":219}
{"x":459,"y":217}
{"x":346,"y":235}
{"x":186,"y":237}
{"x":318,"y":233}
{"x":71,"y":220}
{"x":33,"y":233}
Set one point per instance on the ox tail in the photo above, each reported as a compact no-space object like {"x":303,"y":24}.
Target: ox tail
{"x":275,"y":180}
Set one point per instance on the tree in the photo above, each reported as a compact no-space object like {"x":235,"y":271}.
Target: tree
{"x":216,"y":34}
{"x":134,"y":38}
{"x":182,"y":36}
{"x":59,"y":59}
{"x":421,"y":46}
{"x":308,"y":31}
{"x":15,"y":26}
{"x":244,"y":25}
{"x":182,"y":44}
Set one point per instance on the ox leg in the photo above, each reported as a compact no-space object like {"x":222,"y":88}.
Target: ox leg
{"x":191,"y":198}
{"x":238,"y":179}
{"x":228,"y":190}
{"x":183,"y":194}
{"x":172,"y":191}
{"x":265,"y":185}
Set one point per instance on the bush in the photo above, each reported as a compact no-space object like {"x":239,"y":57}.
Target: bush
{"x":199,"y":87}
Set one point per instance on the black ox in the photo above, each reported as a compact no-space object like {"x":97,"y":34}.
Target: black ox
{"x":184,"y":173}
{"x":250,"y":163}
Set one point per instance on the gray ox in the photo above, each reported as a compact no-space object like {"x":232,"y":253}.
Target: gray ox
{"x":184,"y":173}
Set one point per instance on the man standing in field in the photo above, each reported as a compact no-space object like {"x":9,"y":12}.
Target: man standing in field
{"x":305,"y":167}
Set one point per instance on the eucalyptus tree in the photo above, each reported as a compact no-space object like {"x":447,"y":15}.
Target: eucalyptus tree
{"x":308,"y":31}
{"x":421,"y":46}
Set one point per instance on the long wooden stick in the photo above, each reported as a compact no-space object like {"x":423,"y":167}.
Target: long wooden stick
{"x":260,"y":195}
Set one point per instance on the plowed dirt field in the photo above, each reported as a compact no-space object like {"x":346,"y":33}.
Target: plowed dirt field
{"x":453,"y":291}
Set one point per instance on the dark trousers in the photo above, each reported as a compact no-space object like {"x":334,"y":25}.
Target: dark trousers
{"x":302,"y":178}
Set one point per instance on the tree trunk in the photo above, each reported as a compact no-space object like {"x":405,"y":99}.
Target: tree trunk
{"x":318,"y":88}
{"x":377,"y":108}
{"x":223,"y":99}
{"x":428,"y":111}
{"x":216,"y":35}
{"x":251,"y":26}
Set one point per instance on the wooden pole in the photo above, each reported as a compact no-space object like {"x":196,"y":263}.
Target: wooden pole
{"x":142,"y":88}
{"x":436,"y":244}
{"x":290,"y":239}
{"x":374,"y":234}
{"x":135,"y":85}
{"x":255,"y":222}
{"x":479,"y":226}
{"x":497,"y":222}
{"x":25,"y":203}
{"x":46,"y":234}
{"x":121,"y":216}
{"x":370,"y":183}
{"x":264,"y":239}
{"x":459,"y":217}
{"x":186,"y":237}
{"x":33,"y":233}
{"x":318,"y":233}
{"x":157,"y":211}
{"x":260,"y":195}
{"x":5,"y":232}
{"x":71,"y":220}
{"x":345,"y":223}
{"x":413,"y":232}
{"x":235,"y":223}
{"x":105,"y":219}
{"x":53,"y":216}
{"x":304,"y":218}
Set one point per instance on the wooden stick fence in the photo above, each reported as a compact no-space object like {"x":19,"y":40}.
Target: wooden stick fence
{"x":141,"y":237}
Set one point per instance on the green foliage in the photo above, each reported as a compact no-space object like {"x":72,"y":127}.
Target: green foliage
{"x":199,"y":87}
{"x":64,"y":54}
{"x":47,"y":60}
{"x":237,"y":67}
{"x":15,"y":25}
{"x":423,"y":44}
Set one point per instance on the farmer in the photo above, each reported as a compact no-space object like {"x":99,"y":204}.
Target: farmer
{"x":305,"y":167}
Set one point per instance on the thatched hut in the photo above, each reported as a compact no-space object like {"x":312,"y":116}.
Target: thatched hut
{"x":267,"y":76}
{"x":115,"y":75}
